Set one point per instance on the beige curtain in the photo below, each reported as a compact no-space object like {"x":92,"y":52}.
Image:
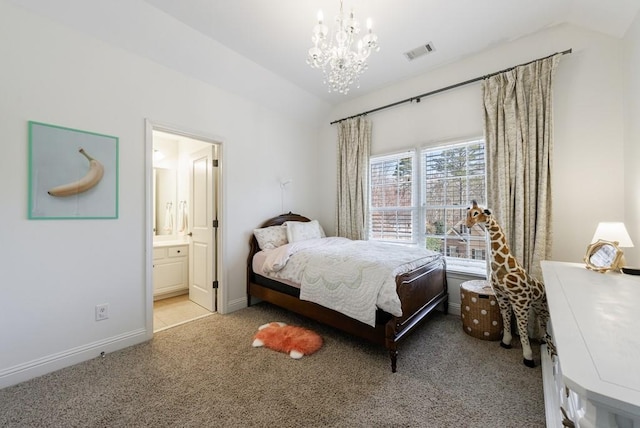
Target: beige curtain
{"x":354,"y":142}
{"x":519,"y":144}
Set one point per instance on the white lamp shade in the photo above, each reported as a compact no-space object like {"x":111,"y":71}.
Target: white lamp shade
{"x":613,"y":231}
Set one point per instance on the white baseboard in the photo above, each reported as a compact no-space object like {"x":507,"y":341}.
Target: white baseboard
{"x":237,"y":304}
{"x":50,"y":363}
{"x":454,"y":308}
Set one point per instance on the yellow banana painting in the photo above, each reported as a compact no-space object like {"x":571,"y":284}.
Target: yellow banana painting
{"x":93,"y":177}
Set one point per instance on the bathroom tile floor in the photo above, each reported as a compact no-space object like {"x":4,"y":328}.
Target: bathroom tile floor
{"x":174,"y":311}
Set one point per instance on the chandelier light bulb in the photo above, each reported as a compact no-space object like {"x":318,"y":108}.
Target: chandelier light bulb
{"x":342,"y":57}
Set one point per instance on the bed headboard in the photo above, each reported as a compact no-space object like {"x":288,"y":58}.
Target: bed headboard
{"x":275,"y":221}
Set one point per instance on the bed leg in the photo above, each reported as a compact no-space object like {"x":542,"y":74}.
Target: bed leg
{"x":393,"y":353}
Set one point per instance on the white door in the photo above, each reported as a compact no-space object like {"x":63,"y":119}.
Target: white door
{"x":202,"y":248}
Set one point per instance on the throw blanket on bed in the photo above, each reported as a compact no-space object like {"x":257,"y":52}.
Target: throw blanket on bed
{"x":351,"y":277}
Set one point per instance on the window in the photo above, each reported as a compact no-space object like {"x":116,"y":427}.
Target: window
{"x":453,"y":176}
{"x":448,"y":178}
{"x":392,"y":205}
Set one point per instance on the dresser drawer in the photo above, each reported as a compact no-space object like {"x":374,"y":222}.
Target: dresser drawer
{"x":180,"y":251}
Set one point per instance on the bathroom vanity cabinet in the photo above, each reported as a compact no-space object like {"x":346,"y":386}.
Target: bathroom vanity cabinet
{"x":170,"y":269}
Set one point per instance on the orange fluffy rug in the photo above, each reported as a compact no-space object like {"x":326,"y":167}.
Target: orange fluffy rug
{"x":295,"y":341}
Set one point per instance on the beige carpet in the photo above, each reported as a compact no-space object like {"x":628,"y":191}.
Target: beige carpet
{"x":206,"y":374}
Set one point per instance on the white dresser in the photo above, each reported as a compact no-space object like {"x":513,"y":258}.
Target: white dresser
{"x":595,"y":325}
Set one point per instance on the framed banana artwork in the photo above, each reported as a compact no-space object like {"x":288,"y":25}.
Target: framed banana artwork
{"x":73,"y":174}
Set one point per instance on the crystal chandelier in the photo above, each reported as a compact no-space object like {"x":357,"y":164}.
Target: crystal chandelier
{"x":340,"y":63}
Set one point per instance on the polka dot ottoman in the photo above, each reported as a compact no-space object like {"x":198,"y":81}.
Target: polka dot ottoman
{"x":479,"y":310}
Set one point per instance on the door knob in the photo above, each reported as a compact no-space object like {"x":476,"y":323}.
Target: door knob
{"x":190,"y":234}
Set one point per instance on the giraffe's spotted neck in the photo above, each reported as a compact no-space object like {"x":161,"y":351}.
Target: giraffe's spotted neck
{"x":497,"y":238}
{"x":502,"y":261}
{"x":495,"y":231}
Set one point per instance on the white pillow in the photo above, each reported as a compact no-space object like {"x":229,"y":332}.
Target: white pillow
{"x":303,"y":230}
{"x":271,"y":237}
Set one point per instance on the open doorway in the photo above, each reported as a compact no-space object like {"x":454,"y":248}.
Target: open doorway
{"x":183,"y":221}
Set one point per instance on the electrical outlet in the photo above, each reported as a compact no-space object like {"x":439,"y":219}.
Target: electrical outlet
{"x":102,"y":312}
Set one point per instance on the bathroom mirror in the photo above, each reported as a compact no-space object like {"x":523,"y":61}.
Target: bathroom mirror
{"x":603,"y":256}
{"x":165,"y":203}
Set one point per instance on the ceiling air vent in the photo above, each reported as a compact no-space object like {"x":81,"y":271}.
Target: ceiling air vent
{"x":419,"y":51}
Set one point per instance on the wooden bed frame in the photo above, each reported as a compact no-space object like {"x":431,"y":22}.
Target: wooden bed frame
{"x":421,"y":291}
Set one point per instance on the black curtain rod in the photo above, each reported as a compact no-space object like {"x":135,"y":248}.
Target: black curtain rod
{"x":457,"y":85}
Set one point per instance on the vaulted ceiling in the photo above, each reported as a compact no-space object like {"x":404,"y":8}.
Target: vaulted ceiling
{"x":276,"y":34}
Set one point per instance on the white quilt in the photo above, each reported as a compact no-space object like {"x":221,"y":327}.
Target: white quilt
{"x":351,"y":277}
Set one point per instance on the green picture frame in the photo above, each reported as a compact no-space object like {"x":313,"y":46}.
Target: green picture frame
{"x":73,"y":174}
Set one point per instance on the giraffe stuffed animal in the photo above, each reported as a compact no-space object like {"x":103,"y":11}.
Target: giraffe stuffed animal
{"x":514,"y":288}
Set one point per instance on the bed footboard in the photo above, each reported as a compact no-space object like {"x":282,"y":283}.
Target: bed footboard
{"x":421,"y":291}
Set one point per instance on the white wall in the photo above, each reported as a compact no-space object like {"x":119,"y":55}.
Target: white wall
{"x":632,"y":140}
{"x":55,"y":272}
{"x":588,"y":156}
